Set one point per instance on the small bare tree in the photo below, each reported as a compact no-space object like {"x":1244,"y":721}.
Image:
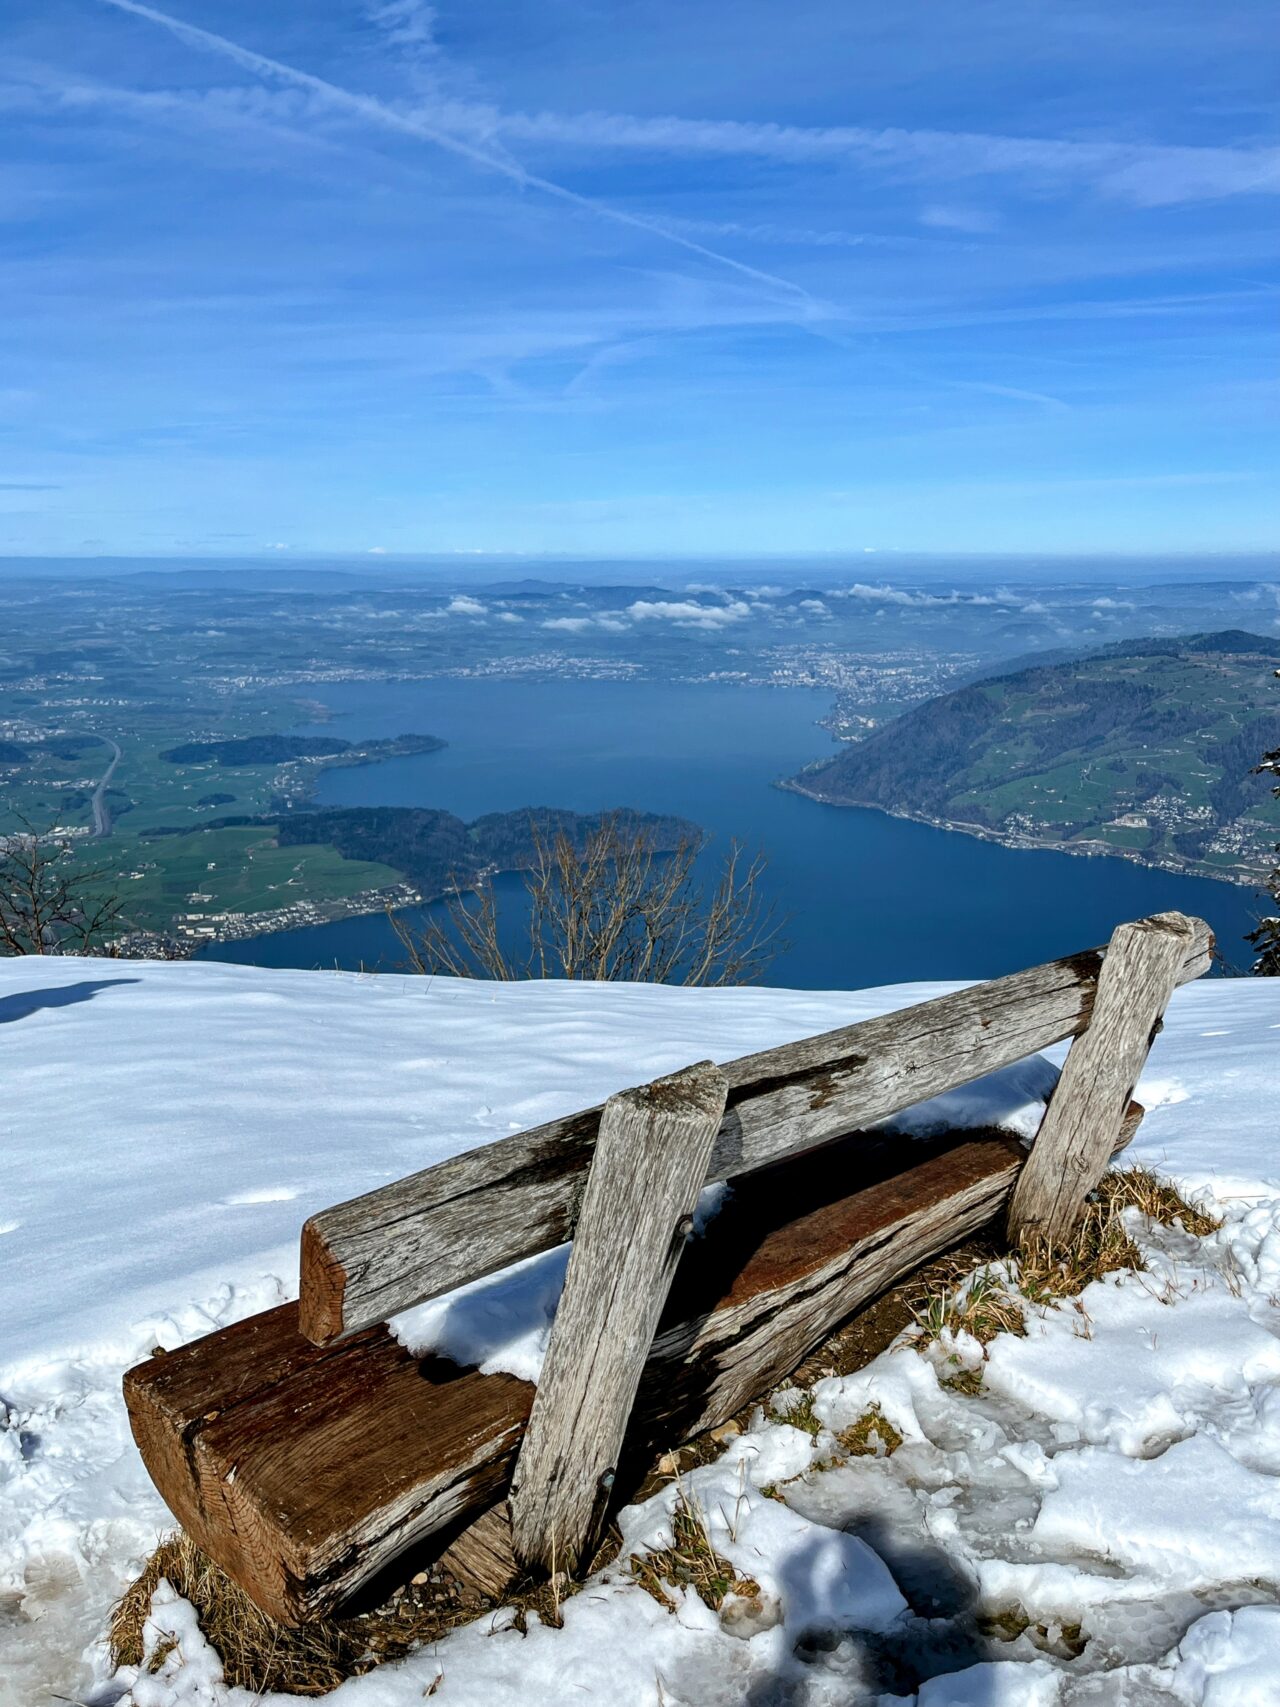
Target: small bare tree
{"x":49,"y":903}
{"x":616,"y":907}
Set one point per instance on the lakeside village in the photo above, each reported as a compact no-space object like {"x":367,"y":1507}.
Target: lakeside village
{"x":190,"y":931}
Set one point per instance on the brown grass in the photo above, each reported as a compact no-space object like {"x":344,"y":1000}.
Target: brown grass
{"x":872,"y":1436}
{"x":1139,"y":1188}
{"x":690,"y":1562}
{"x":260,"y":1655}
{"x":1102,"y":1244}
{"x":1065,"y":1641}
{"x":988,"y":1301}
{"x":979,"y":1303}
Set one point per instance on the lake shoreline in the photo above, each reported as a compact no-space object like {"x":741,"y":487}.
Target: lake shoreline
{"x":1025,"y":843}
{"x":869,"y":898}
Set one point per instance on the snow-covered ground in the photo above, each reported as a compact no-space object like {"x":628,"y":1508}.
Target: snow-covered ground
{"x":168,"y":1127}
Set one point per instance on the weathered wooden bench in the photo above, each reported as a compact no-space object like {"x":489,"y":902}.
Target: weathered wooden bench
{"x":307,"y":1451}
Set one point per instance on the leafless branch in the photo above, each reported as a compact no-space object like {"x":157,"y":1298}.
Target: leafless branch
{"x":614,"y":908}
{"x":49,"y":902}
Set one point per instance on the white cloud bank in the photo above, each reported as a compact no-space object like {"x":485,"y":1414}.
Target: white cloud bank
{"x":685,"y":613}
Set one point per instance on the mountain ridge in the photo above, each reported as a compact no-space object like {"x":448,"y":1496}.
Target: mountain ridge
{"x":1142,"y":749}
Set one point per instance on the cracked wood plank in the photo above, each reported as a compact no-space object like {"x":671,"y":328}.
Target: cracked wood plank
{"x":1084,"y":1120}
{"x":646,"y":1172}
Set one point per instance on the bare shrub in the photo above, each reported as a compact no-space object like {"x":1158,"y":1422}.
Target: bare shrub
{"x":615,"y":907}
{"x":49,"y":902}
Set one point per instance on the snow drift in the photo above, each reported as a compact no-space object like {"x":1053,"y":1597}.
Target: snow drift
{"x":169,"y":1127}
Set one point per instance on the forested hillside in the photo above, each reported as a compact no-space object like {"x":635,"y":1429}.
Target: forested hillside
{"x":434,"y":849}
{"x":1145,"y":749}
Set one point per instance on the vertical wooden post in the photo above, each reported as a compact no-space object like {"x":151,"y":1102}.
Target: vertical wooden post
{"x":1082,"y":1125}
{"x":649,"y":1165}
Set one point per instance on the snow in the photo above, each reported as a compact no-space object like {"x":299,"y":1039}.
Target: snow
{"x":1232,"y":1659}
{"x":171,"y":1126}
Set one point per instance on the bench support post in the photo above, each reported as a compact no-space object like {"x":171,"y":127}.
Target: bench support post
{"x":1081,"y":1128}
{"x":649,"y":1165}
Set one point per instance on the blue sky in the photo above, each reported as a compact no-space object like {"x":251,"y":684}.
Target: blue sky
{"x":654,"y":277}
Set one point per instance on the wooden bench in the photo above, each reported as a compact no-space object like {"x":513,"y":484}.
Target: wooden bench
{"x":308,"y":1452}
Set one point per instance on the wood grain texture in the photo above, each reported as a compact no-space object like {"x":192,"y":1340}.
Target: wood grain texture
{"x":647,"y":1169}
{"x":483,"y":1557}
{"x":1082,"y":1125}
{"x":303,"y":1471}
{"x":1133,"y":1118}
{"x":364,"y":1260}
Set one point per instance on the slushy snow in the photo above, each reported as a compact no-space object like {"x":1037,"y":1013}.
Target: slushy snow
{"x":1108,"y":1503}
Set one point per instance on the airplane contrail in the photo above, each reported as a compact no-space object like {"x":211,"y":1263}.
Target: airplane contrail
{"x":378,"y":112}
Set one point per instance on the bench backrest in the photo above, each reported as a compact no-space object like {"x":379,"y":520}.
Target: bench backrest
{"x":365,"y":1260}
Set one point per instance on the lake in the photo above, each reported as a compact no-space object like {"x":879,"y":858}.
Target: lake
{"x":871,"y":899}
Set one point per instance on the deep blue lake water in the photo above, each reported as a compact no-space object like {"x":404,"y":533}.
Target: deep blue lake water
{"x":871,"y":899}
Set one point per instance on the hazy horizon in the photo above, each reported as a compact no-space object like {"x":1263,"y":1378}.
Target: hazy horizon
{"x":888,"y":569}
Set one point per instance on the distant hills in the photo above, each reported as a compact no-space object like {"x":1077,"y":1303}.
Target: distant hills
{"x":1143,"y":749}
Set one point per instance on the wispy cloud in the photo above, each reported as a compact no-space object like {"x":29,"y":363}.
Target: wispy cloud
{"x":1016,"y":393}
{"x":1142,"y":173}
{"x":405,"y":23}
{"x":800,"y":236}
{"x":1149,"y":174}
{"x":947,"y":216}
{"x":373,"y":111}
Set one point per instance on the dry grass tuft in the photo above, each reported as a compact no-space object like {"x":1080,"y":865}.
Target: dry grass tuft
{"x":260,"y":1655}
{"x":1139,"y":1188}
{"x":987,"y":1301}
{"x":1047,"y":1273}
{"x":1102,"y":1244}
{"x":690,"y":1562}
{"x":872,"y":1436}
{"x":980,"y":1304}
{"x":795,"y":1406}
{"x":966,"y":1381}
{"x":1065,"y":1641}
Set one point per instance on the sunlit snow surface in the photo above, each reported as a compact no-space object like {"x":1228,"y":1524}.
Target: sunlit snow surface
{"x":168,"y":1127}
